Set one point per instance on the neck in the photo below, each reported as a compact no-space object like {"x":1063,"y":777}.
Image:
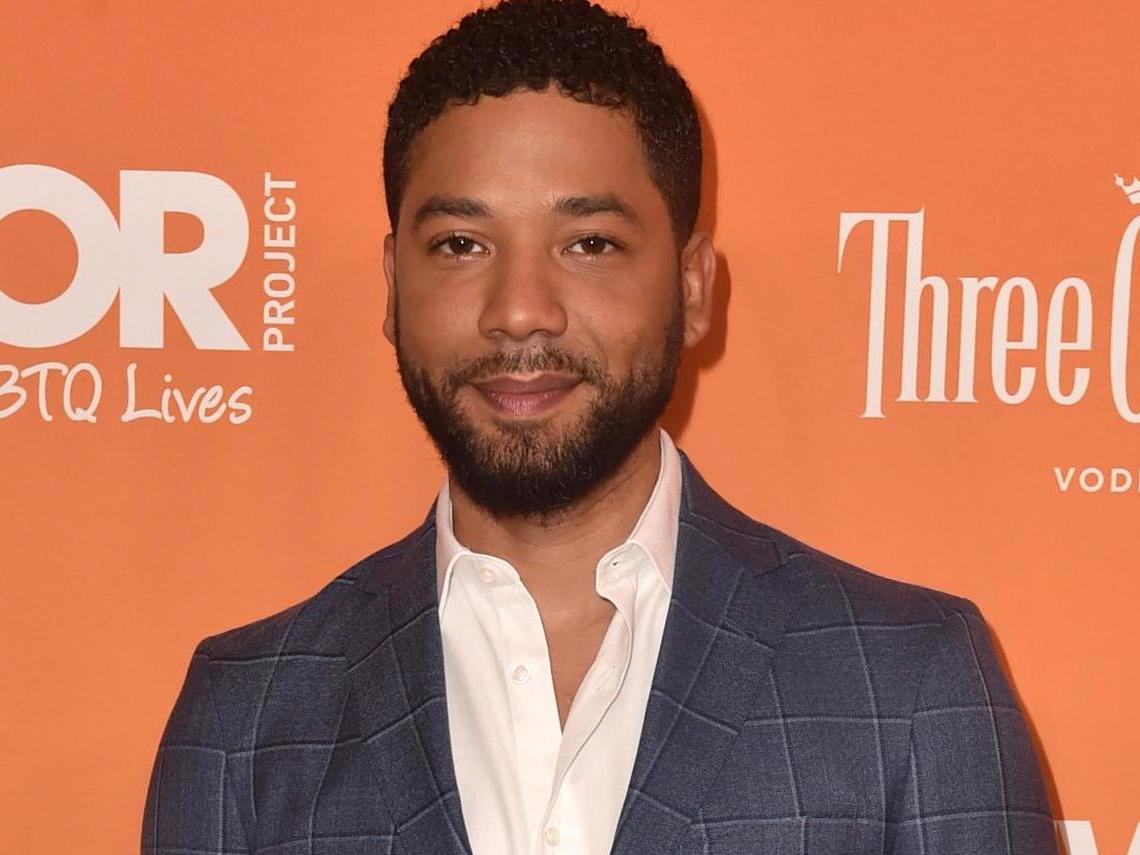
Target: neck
{"x":556,"y":555}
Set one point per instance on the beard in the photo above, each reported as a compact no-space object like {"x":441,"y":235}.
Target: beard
{"x":528,"y":468}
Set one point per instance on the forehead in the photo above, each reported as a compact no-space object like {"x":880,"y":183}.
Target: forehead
{"x":530,"y":147}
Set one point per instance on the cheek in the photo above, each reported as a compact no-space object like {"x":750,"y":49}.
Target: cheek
{"x":625,"y":334}
{"x":435,"y":324}
{"x":629,"y":321}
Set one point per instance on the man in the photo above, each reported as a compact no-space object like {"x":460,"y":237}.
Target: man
{"x":582,"y":649}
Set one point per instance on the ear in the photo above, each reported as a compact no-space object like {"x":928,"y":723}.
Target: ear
{"x":390,"y":276}
{"x":698,"y":273}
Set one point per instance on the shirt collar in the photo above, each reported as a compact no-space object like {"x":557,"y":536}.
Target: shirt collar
{"x":655,"y":530}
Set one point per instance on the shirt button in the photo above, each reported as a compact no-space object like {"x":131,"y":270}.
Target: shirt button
{"x":486,"y":575}
{"x":552,"y":836}
{"x":520,"y":675}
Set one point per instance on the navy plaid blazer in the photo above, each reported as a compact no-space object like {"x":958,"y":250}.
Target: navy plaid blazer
{"x":799,"y":706}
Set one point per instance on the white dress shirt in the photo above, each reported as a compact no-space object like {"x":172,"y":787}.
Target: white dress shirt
{"x":526,"y":786}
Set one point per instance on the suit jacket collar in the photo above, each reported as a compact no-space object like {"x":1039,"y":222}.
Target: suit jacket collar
{"x":726,"y":616}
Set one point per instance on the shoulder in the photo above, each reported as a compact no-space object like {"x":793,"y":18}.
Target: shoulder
{"x":829,"y":590}
{"x":842,"y":625}
{"x":252,"y":681}
{"x":821,"y":588}
{"x":318,"y":626}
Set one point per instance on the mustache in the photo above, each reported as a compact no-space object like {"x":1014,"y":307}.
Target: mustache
{"x":524,"y":361}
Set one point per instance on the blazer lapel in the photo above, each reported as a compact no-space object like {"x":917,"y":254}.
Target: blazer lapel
{"x":726,"y":616}
{"x":396,"y":690}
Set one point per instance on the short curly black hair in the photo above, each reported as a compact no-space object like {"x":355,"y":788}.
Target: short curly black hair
{"x":591,"y":54}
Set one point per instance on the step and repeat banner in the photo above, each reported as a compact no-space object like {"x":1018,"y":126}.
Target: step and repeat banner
{"x":926,"y":361}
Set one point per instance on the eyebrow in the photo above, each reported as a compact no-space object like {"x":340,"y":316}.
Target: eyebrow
{"x":450,"y":206}
{"x":467,"y":207}
{"x":584,"y":206}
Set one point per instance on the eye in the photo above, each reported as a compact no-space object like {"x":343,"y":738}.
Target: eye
{"x":594,"y":245}
{"x":456,"y":245}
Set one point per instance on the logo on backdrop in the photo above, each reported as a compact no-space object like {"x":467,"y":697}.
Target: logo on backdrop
{"x":1065,"y":380}
{"x":126,"y":259}
{"x":1078,"y":839}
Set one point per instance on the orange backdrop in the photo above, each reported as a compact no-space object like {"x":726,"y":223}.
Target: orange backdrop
{"x":125,"y":542}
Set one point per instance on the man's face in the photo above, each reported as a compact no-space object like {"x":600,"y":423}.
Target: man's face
{"x":537,"y":298}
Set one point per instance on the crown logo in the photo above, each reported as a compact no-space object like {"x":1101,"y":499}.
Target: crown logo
{"x":1131,"y":190}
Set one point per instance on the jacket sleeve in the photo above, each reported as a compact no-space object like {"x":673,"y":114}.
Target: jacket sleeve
{"x":974,"y":783}
{"x":191,"y":804}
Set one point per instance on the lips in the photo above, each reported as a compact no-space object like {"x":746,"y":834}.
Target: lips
{"x":525,"y":395}
{"x":526,"y":384}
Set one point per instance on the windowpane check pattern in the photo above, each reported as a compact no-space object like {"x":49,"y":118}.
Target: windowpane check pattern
{"x":799,"y":706}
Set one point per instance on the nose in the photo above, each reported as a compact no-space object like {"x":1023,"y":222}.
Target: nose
{"x":523,"y":299}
